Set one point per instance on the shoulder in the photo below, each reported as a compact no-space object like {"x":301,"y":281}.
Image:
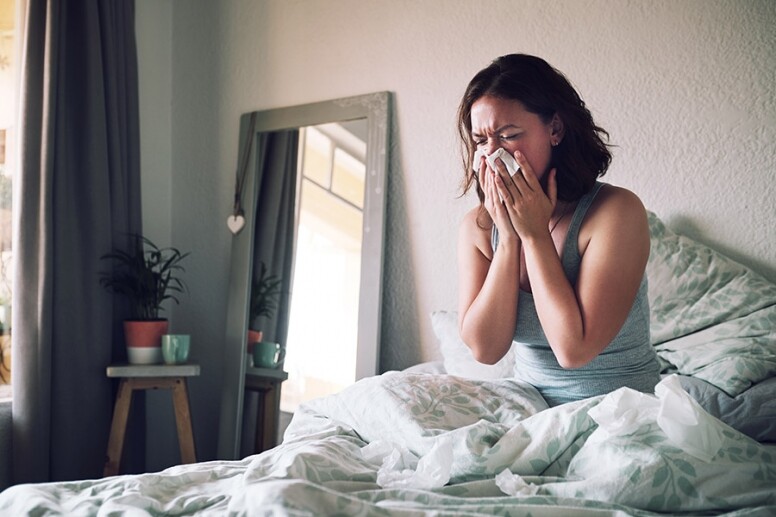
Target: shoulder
{"x":617,"y":213}
{"x":617,"y":201}
{"x":475,"y":230}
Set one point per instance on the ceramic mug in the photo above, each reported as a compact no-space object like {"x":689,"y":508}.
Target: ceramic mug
{"x":175,"y":348}
{"x":267,"y":354}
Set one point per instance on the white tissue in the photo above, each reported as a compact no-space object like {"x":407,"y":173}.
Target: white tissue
{"x":401,"y":469}
{"x":478,"y":154}
{"x":623,"y":411}
{"x":508,"y":159}
{"x":686,"y":424}
{"x":512,"y":484}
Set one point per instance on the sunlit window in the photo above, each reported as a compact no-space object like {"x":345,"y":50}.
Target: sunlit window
{"x":323,"y":326}
{"x":8,"y":89}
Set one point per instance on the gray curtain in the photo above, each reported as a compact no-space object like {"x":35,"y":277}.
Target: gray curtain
{"x":274,"y":239}
{"x":78,"y":197}
{"x":275,"y":219}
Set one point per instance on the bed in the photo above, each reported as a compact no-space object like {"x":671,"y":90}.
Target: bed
{"x":454,"y":437}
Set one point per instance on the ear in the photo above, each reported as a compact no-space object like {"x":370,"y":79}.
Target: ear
{"x":557,"y":130}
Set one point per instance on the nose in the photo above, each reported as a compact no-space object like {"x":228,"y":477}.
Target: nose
{"x":491,"y":145}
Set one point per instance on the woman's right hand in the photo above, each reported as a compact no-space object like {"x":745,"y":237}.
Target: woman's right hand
{"x":494,"y":206}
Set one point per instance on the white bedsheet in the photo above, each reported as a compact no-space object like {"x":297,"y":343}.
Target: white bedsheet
{"x":498,"y":428}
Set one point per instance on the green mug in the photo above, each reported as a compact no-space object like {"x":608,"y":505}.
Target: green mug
{"x":267,"y":354}
{"x":175,"y":348}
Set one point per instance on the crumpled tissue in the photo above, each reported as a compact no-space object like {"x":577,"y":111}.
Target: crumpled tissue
{"x":400,"y":468}
{"x":686,"y":424}
{"x":513,"y":484}
{"x":508,"y":159}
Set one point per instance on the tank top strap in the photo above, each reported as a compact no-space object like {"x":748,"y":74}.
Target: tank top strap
{"x":582,"y":207}
{"x":571,"y":245}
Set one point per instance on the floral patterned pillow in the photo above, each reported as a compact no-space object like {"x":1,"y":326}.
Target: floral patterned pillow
{"x":712,"y":317}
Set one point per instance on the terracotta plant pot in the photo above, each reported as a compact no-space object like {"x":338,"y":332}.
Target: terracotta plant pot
{"x":254,"y":336}
{"x":144,"y":340}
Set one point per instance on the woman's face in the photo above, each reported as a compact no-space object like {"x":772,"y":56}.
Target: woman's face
{"x":498,"y":122}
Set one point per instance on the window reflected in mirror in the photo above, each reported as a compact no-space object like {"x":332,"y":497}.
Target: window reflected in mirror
{"x":10,"y":40}
{"x":323,"y":322}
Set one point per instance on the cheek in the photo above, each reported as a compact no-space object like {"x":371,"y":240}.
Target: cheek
{"x":539,"y":157}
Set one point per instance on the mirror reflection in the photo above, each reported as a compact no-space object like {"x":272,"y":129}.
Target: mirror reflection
{"x":311,"y":253}
{"x":323,"y":323}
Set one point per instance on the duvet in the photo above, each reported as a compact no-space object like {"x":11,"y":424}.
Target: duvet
{"x":407,"y":443}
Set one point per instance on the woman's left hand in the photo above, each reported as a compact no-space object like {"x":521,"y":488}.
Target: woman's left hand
{"x":527,"y":205}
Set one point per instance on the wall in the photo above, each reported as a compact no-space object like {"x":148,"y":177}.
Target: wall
{"x":154,"y":49}
{"x":686,"y":89}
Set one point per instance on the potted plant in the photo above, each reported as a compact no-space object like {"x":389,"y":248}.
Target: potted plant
{"x":147,"y":276}
{"x":264,"y":302}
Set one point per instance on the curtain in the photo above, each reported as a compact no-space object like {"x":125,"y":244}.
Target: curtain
{"x":274,"y":238}
{"x":78,"y":197}
{"x":275,"y":220}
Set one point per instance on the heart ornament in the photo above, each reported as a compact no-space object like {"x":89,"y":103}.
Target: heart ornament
{"x":235,"y":223}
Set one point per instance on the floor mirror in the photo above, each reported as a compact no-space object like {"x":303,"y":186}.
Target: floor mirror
{"x":312,"y":202}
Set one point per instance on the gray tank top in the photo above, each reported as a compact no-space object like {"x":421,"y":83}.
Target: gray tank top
{"x":629,"y":360}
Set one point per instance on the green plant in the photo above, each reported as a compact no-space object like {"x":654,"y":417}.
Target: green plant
{"x":264,"y":294}
{"x":147,"y":275}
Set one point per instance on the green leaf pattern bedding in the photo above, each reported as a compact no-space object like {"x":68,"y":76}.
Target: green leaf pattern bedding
{"x":435,"y":444}
{"x":711,"y":317}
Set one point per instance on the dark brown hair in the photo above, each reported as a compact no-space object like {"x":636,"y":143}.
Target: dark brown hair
{"x":582,"y":155}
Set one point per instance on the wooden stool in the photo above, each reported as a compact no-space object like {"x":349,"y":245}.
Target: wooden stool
{"x":150,"y":377}
{"x":266,"y":382}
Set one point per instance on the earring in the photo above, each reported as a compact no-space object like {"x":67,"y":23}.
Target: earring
{"x":554,"y":142}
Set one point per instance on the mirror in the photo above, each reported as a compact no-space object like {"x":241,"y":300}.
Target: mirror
{"x":338,"y":120}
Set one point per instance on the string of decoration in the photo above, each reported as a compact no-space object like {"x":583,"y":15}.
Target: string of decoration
{"x":236,"y":221}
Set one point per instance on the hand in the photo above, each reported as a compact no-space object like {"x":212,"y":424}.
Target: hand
{"x":493,"y":203}
{"x":528,"y":207}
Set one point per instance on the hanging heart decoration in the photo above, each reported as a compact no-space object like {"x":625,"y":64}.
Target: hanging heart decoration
{"x":235,"y":223}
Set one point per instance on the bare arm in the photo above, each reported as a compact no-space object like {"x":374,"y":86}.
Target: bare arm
{"x":488,"y":291}
{"x":580,"y":322}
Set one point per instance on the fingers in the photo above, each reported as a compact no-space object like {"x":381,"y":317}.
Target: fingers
{"x":505,"y":194}
{"x":526,"y":179}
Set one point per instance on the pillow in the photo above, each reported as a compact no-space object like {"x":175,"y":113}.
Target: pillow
{"x":711,"y":317}
{"x":692,"y":287}
{"x":457,"y":357}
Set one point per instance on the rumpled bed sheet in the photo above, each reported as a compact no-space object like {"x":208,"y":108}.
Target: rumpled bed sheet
{"x":432,"y":444}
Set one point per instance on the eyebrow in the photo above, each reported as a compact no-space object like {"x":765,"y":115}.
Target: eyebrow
{"x":499,"y":130}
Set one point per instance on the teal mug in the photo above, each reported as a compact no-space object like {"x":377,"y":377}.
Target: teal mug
{"x":175,"y":348}
{"x":267,"y":354}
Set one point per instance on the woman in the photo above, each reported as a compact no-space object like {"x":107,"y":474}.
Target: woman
{"x":556,"y":269}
